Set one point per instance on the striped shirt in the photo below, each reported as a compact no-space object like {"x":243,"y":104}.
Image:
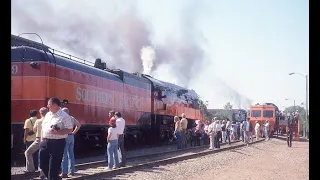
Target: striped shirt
{"x":61,"y":119}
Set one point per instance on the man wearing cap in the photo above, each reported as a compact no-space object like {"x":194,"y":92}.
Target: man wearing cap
{"x":29,"y":138}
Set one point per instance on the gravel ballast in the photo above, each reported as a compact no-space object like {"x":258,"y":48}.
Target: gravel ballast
{"x":263,"y":161}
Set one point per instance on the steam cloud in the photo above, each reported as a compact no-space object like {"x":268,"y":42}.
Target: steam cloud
{"x":115,"y":33}
{"x":148,"y":56}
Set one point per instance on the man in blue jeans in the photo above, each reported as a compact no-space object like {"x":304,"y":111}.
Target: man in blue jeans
{"x":68,"y":150}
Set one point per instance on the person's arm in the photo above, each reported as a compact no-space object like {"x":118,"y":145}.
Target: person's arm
{"x":26,"y":130}
{"x":176,"y":126}
{"x":35,"y":126}
{"x":109,"y":135}
{"x":78,"y":125}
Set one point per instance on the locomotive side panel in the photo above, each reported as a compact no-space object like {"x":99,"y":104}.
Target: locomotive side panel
{"x":90,"y":97}
{"x":28,"y":88}
{"x":137,"y":95}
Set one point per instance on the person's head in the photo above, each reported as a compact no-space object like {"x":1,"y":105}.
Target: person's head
{"x":248,"y":119}
{"x":66,"y":110}
{"x":112,"y":123}
{"x":183,"y":115}
{"x":111,"y":113}
{"x":117,"y":115}
{"x":176,"y":119}
{"x":43,"y":111}
{"x":54,"y":104}
{"x":267,"y":121}
{"x":33,"y":113}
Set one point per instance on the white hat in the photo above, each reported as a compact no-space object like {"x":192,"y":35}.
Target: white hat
{"x":198,"y":121}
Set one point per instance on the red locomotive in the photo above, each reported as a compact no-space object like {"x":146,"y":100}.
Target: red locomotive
{"x":91,"y":91}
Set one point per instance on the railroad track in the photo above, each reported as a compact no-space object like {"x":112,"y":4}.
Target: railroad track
{"x":96,"y":170}
{"x":98,"y":173}
{"x":89,"y":168}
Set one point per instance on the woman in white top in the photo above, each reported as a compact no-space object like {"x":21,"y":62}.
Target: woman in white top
{"x":112,"y":148}
{"x":257,"y":130}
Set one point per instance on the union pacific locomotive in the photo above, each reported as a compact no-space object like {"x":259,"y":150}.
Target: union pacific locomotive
{"x":90,"y":91}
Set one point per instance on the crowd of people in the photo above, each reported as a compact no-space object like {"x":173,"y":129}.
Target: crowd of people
{"x":214,"y":132}
{"x":50,"y":141}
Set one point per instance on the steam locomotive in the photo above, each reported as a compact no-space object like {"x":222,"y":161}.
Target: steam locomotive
{"x":90,"y":91}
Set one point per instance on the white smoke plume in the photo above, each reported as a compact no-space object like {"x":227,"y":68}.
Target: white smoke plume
{"x":148,"y":56}
{"x":115,"y":32}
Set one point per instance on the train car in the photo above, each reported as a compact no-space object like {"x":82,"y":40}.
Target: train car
{"x":91,"y":91}
{"x":264,"y":112}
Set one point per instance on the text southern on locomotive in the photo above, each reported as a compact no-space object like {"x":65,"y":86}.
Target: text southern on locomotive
{"x":91,"y":91}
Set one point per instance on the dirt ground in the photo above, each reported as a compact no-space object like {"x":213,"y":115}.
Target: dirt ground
{"x":270,"y":160}
{"x":276,"y":161}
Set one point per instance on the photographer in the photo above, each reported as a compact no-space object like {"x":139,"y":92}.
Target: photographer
{"x":30,"y":136}
{"x":56,"y":126}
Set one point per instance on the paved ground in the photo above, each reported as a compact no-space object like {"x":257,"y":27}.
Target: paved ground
{"x":270,"y":160}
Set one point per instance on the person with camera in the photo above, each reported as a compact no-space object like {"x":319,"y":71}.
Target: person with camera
{"x":29,"y":138}
{"x":56,"y":126}
{"x":34,"y":147}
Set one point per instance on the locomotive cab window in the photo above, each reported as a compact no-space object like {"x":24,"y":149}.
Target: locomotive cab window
{"x":256,"y":113}
{"x":268,"y":113}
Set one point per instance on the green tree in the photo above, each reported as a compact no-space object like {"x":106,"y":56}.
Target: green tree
{"x":228,"y":106}
{"x":224,"y":113}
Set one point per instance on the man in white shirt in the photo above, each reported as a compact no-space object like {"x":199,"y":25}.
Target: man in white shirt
{"x":211,"y":132}
{"x":266,"y":130}
{"x":257,"y":128}
{"x":120,"y":125}
{"x":56,"y":126}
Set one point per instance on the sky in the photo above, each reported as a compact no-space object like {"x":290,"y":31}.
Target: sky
{"x":242,"y":50}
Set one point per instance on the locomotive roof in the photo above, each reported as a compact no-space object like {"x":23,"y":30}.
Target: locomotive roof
{"x":19,"y":41}
{"x":170,"y":87}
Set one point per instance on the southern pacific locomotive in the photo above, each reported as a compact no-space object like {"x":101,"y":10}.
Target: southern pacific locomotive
{"x":91,"y":91}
